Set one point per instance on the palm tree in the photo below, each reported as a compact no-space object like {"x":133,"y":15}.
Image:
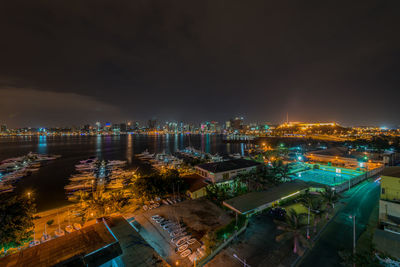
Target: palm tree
{"x":330,"y":197}
{"x":293,"y":228}
{"x":317,"y":211}
{"x":315,"y":204}
{"x":307,"y":198}
{"x":118,"y":200}
{"x":99,"y":203}
{"x":280,"y":170}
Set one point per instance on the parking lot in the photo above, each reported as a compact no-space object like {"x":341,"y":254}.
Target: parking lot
{"x":199,"y":216}
{"x":257,"y":246}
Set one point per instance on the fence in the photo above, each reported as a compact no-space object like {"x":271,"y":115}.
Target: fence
{"x":223,"y":245}
{"x":358,"y":179}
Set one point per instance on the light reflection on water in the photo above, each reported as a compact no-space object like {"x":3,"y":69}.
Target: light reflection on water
{"x":50,"y":180}
{"x":42,"y":144}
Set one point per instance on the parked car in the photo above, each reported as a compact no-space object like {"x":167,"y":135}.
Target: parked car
{"x":277,"y":213}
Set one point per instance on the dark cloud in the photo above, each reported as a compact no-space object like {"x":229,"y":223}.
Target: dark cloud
{"x":194,"y":61}
{"x":41,"y":108}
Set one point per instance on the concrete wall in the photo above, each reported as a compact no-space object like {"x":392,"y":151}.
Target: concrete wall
{"x":390,"y":188}
{"x":197,"y":194}
{"x":387,"y":210}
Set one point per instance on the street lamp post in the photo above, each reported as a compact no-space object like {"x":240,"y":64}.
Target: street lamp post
{"x":242,"y":261}
{"x":354,"y":235}
{"x":236,"y":226}
{"x":308,"y":223}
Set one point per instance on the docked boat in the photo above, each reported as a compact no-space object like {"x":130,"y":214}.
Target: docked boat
{"x":77,"y":226}
{"x":69,"y":229}
{"x":34,"y":243}
{"x":45,"y":237}
{"x":59,"y":233}
{"x":79,"y":186}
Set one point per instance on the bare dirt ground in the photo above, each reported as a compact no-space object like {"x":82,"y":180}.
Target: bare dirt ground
{"x":200,"y":217}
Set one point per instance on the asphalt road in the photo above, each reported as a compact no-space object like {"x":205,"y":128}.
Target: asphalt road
{"x":339,"y":233}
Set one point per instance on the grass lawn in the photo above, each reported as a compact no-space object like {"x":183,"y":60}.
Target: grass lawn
{"x":298,"y":207}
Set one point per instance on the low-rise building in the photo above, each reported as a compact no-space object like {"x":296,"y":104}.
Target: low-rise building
{"x":93,"y":245}
{"x":222,"y":171}
{"x":342,"y":156}
{"x":387,"y":237}
{"x":196,"y":186}
{"x":112,"y":241}
{"x":389,"y":203}
{"x":253,"y":202}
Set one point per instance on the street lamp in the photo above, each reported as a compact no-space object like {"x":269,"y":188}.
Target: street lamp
{"x":242,"y":261}
{"x":354,"y":234}
{"x":308,"y":223}
{"x":29,"y":195}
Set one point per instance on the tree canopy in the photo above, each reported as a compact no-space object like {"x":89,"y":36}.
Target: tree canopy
{"x":16,"y":219}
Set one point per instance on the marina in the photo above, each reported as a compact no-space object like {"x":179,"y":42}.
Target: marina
{"x":93,"y":173}
{"x":13,"y":169}
{"x":48,"y":183}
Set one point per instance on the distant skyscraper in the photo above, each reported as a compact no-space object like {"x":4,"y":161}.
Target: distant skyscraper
{"x":86,"y":127}
{"x":152,"y":124}
{"x":98,"y":126}
{"x":3,"y":128}
{"x":123,"y":127}
{"x":107,"y":126}
{"x":237,"y":123}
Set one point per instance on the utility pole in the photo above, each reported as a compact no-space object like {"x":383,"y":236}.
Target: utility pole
{"x":308,"y":223}
{"x":354,"y":234}
{"x":354,"y":238}
{"x":242,"y":261}
{"x":236,"y":226}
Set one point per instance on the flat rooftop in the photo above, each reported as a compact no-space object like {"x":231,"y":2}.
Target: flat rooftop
{"x":391,"y":171}
{"x":246,"y":203}
{"x":71,"y":248}
{"x":333,"y":152}
{"x":136,"y":251}
{"x":228,"y":165}
{"x":195,"y":182}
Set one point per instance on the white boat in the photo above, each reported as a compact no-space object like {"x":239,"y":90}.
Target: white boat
{"x":116,"y":162}
{"x":81,"y":178}
{"x":191,"y":241}
{"x":69,"y":229}
{"x":182,"y":248}
{"x":34,"y":243}
{"x":45,"y":237}
{"x":177,"y":230}
{"x":186,"y":253}
{"x":177,"y":235}
{"x":59,"y":232}
{"x":143,"y":154}
{"x":88,"y":161}
{"x":77,"y":226}
{"x":182,"y":240}
{"x":73,"y":187}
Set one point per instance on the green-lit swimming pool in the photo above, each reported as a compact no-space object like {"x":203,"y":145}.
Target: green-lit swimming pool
{"x":327,"y":176}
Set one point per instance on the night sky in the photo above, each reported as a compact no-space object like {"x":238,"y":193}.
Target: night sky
{"x":75,"y":62}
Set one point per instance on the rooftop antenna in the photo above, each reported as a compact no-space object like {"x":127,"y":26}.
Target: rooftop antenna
{"x":287,"y":117}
